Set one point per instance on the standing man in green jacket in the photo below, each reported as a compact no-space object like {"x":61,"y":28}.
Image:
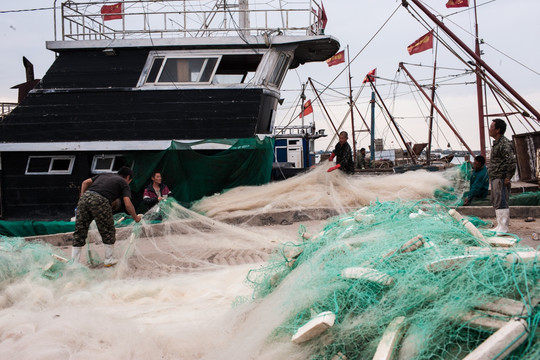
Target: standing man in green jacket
{"x":502,"y":166}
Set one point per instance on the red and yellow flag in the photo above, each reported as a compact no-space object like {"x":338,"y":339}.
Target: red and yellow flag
{"x":423,"y":43}
{"x":370,"y":75}
{"x":111,"y":12}
{"x":308,"y":109}
{"x":457,"y":3}
{"x":336,"y":59}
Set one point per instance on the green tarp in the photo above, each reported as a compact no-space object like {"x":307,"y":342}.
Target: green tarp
{"x":33,"y":228}
{"x":192,"y":175}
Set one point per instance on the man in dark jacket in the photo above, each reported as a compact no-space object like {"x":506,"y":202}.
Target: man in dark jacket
{"x":97,"y":195}
{"x":343,"y":152}
{"x":502,"y":166}
{"x":155,"y":191}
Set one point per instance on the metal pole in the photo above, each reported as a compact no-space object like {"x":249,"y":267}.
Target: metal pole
{"x":351,"y":105}
{"x":303,"y":97}
{"x":409,"y":150}
{"x":244,"y":16}
{"x":322,"y":104}
{"x":54,"y":24}
{"x":479,"y":94}
{"x":430,"y":134}
{"x":436,"y":108}
{"x":372,"y":150}
{"x":475,"y":57}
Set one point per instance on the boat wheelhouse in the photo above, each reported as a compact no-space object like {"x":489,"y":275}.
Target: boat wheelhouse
{"x":137,"y":80}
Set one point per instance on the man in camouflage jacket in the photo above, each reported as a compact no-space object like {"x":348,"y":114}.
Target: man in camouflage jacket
{"x":502,"y":166}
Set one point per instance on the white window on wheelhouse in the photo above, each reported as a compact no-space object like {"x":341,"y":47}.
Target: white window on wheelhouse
{"x":204,"y":67}
{"x":110,"y":163}
{"x":169,"y":70}
{"x":50,"y":165}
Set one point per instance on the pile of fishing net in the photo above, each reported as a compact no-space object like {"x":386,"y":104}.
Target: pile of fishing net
{"x":320,"y":189}
{"x":403,"y":275}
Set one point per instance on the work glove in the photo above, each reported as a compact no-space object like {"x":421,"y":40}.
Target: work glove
{"x":334,"y":168}
{"x":332,"y":156}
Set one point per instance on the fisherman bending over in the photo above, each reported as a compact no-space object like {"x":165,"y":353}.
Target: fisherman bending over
{"x":97,"y":195}
{"x":502,"y":166}
{"x":479,"y":181}
{"x":343,"y":153}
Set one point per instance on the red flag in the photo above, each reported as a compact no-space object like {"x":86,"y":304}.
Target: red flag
{"x":457,"y":3}
{"x":322,"y":16}
{"x":422,"y":44}
{"x":308,"y":109}
{"x":371,"y":76}
{"x":114,"y":11}
{"x":336,"y":59}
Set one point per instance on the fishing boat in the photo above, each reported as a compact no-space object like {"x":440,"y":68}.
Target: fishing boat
{"x":186,"y":87}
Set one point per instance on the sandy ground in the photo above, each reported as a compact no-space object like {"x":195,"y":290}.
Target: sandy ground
{"x":524,"y":230}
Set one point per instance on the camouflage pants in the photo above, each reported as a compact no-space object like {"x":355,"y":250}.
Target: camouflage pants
{"x":93,"y":206}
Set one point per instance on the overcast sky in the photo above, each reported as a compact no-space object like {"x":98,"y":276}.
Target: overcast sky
{"x":510,"y":29}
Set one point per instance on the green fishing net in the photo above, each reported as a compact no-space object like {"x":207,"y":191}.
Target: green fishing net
{"x":400,"y":278}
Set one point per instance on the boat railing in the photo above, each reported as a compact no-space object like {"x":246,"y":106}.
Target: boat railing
{"x":131,"y":19}
{"x":300,"y":130}
{"x":6,"y":108}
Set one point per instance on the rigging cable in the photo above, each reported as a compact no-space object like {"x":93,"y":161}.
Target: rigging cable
{"x":483,"y":42}
{"x":482,"y":74}
{"x":361,"y":50}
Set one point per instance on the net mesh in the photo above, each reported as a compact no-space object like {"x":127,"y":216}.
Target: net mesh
{"x":392,"y":251}
{"x":394,"y":280}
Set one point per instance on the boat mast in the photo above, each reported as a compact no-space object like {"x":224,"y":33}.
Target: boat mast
{"x":431,"y":110}
{"x":402,"y":66}
{"x":323,"y":106}
{"x":479,"y":93}
{"x":405,"y":143}
{"x":351,"y":104}
{"x":372,"y":150}
{"x":476,"y":58}
{"x":303,"y":97}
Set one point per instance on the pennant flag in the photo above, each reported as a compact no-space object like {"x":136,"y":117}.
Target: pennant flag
{"x":322,"y":16}
{"x":422,"y":44}
{"x":371,"y":75}
{"x":457,"y":3}
{"x":112,"y":12}
{"x":308,"y":109}
{"x":336,"y":59}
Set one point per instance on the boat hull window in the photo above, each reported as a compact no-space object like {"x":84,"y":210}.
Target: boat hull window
{"x":50,"y":165}
{"x":102,"y":164}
